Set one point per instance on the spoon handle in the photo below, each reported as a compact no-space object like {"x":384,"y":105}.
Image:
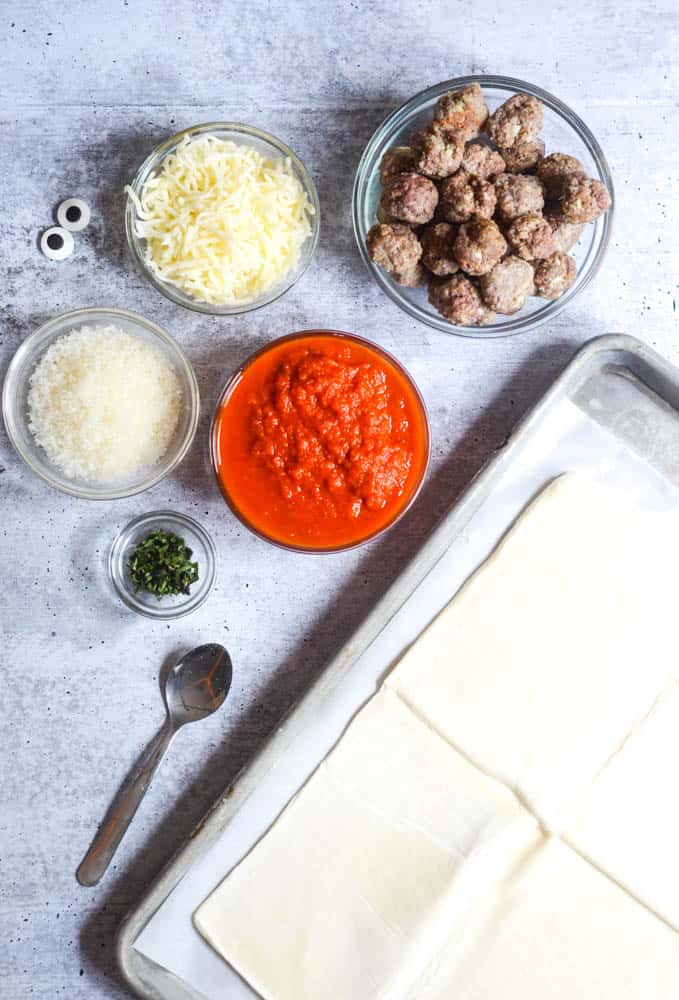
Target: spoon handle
{"x":123,"y":808}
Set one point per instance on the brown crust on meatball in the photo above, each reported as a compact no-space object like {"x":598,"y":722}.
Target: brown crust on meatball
{"x":482,"y":161}
{"x":458,"y":300}
{"x":554,"y":170}
{"x":437,"y":154}
{"x":523,"y":157}
{"x":518,"y":194}
{"x":478,"y":246}
{"x":554,"y":275}
{"x":412,"y":278}
{"x":397,"y":160}
{"x":463,"y":111}
{"x":531,"y":237}
{"x":410,"y":198}
{"x":384,"y":216}
{"x":437,"y":249}
{"x":518,"y":119}
{"x":394,"y":247}
{"x":566,"y":234}
{"x":584,"y":200}
{"x":463,"y":196}
{"x":506,"y":288}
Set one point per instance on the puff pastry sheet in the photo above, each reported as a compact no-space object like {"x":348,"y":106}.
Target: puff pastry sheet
{"x":476,"y":832}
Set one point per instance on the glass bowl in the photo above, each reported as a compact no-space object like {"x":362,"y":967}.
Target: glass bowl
{"x":15,"y":409}
{"x":203,"y":552}
{"x":234,"y":380}
{"x":563,"y":132}
{"x":266,"y":144}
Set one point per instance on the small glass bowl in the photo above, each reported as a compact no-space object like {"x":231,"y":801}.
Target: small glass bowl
{"x":235,"y":379}
{"x":266,"y":144}
{"x":15,"y":407}
{"x":203,"y":552}
{"x":563,"y":132}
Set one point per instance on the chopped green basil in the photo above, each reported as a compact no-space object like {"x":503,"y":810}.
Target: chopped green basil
{"x":161,"y":564}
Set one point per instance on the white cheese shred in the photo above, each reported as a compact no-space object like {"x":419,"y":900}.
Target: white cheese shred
{"x":103,"y":403}
{"x":222,"y":222}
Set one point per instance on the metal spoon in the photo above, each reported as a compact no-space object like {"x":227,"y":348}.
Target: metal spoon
{"x":194,"y":688}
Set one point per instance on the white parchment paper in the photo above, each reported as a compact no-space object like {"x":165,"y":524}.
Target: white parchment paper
{"x":567,"y":440}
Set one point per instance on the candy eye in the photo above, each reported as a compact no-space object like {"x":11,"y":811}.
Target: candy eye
{"x":73,"y":214}
{"x":56,"y":243}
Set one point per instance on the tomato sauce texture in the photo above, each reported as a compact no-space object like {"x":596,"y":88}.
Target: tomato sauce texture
{"x":321,"y":442}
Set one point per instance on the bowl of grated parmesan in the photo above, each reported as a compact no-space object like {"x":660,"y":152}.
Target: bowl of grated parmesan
{"x":100,"y":403}
{"x":222,"y":218}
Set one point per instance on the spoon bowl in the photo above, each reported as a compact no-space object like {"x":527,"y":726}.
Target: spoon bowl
{"x":198,"y":685}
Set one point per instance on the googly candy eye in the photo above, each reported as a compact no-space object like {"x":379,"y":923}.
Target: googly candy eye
{"x":57,"y":243}
{"x":73,"y":214}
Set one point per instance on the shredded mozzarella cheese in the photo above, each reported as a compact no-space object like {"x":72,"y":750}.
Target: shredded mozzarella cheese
{"x":103,"y":403}
{"x":222,"y":222}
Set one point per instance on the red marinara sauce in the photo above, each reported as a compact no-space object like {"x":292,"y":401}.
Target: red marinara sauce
{"x":320,"y":441}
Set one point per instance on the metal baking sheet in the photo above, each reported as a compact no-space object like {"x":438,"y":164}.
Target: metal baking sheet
{"x":619,"y":397}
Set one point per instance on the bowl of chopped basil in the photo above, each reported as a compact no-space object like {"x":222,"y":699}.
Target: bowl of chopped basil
{"x":163,"y":564}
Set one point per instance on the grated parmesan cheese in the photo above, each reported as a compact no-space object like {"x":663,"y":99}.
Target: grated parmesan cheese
{"x":103,"y":403}
{"x":222,"y":222}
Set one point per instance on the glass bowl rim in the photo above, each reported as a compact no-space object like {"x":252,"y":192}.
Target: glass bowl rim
{"x":153,"y":162}
{"x":43,"y":334}
{"x":511,"y":327}
{"x":192,"y":603}
{"x":234,"y":378}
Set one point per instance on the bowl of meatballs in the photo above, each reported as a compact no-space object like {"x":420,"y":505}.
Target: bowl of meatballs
{"x":483,"y":206}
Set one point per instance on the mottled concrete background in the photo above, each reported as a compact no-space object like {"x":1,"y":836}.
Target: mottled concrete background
{"x":86,"y":90}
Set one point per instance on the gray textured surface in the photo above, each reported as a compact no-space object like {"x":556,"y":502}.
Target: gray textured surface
{"x":85,"y":92}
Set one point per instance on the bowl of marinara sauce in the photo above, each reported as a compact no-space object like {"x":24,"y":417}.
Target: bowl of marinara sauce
{"x":320,"y":441}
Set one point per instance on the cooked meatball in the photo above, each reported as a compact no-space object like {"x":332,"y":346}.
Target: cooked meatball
{"x":531,"y":237}
{"x":458,"y":300}
{"x":555,"y":169}
{"x":554,"y":275}
{"x":464,"y":196}
{"x":395,"y":247}
{"x":482,"y":161}
{"x":478,"y":246}
{"x":410,"y":198}
{"x":506,"y":288}
{"x":463,"y":111}
{"x":437,"y":249}
{"x":584,"y":200}
{"x":518,"y":119}
{"x":437,"y":154}
{"x":523,"y":156}
{"x":398,"y":160}
{"x":566,"y":234}
{"x":518,"y":194}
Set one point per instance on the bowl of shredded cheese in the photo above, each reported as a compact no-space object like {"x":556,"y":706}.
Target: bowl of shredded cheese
{"x":222,"y":218}
{"x":100,"y":403}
